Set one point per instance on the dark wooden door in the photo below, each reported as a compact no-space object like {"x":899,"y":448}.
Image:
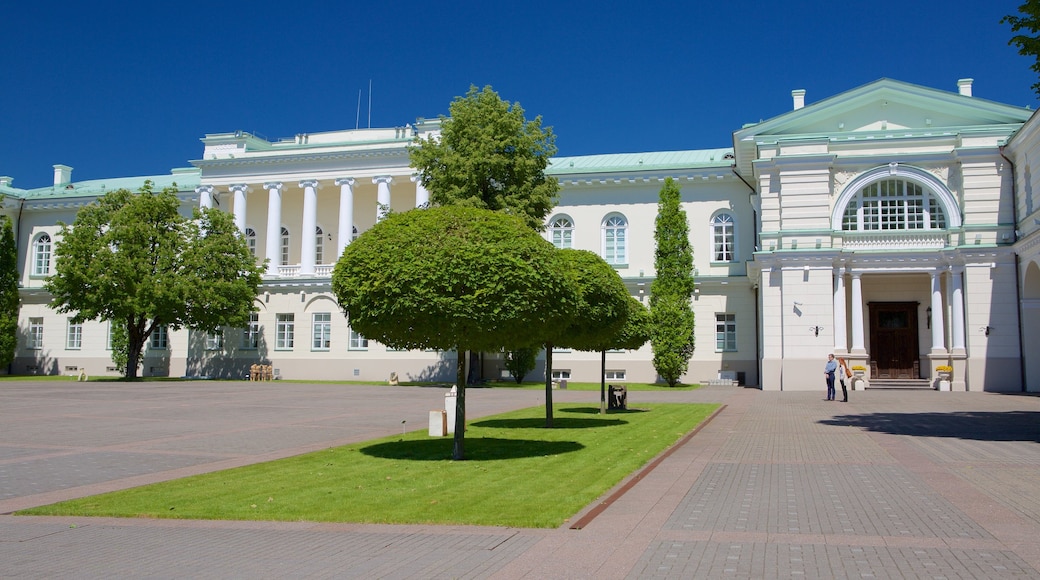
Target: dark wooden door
{"x":893,"y":339}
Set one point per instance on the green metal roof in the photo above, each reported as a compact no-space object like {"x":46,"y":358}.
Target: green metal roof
{"x":186,"y":179}
{"x":649,"y":161}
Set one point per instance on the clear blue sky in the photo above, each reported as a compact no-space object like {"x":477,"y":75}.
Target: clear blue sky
{"x":129,"y":88}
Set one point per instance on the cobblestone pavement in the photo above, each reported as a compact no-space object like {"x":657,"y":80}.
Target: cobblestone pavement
{"x":894,"y":484}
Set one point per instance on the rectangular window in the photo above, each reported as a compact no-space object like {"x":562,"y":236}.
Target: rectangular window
{"x":251,"y":333}
{"x":161,"y":337}
{"x":616,"y":375}
{"x":215,"y":340}
{"x":358,"y":342}
{"x":35,"y":334}
{"x":108,"y":339}
{"x":561,"y":374}
{"x":321,"y":323}
{"x":74,"y":337}
{"x":285,"y":330}
{"x":725,"y":332}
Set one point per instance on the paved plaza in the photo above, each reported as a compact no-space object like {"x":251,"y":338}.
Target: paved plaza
{"x":894,"y":484}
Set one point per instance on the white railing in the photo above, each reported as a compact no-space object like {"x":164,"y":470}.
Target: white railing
{"x":293,"y":271}
{"x":895,"y":240}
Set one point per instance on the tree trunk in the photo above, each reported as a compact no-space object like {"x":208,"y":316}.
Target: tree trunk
{"x":458,"y":449}
{"x":602,"y":382}
{"x":548,"y":386}
{"x":134,"y":346}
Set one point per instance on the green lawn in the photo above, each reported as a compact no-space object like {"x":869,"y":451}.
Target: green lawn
{"x":517,"y":473}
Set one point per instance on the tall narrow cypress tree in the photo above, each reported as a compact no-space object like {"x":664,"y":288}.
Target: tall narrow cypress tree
{"x":9,"y":300}
{"x":672,"y":289}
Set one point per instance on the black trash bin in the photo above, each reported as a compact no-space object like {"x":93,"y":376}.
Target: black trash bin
{"x":617,"y":397}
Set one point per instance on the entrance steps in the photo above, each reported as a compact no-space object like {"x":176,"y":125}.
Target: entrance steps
{"x":900,"y":384}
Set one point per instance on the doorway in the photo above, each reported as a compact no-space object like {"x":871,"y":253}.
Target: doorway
{"x":894,"y":344}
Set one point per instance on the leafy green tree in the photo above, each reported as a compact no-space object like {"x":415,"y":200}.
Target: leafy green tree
{"x":521,"y":361}
{"x":135,"y":260}
{"x":489,"y":156}
{"x":9,"y":300}
{"x":1029,"y":43}
{"x":672,"y":289}
{"x":632,"y":335}
{"x":453,"y":278}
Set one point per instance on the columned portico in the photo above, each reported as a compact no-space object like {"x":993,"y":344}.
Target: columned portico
{"x":238,"y":191}
{"x":957,"y":310}
{"x":422,"y":195}
{"x":205,"y":196}
{"x":840,"y":339}
{"x":274,"y":226}
{"x":938,"y":326}
{"x":308,"y":240}
{"x":382,"y":195}
{"x":346,"y":213}
{"x":858,"y":330}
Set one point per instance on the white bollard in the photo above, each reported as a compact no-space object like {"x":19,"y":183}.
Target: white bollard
{"x":450,"y":399}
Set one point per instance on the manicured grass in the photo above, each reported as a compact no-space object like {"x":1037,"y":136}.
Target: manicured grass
{"x":516,"y":473}
{"x":573,"y":386}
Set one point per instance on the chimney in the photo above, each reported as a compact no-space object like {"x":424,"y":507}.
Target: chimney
{"x":964,"y":86}
{"x":799,"y":98}
{"x":62,"y":174}
{"x":5,"y":181}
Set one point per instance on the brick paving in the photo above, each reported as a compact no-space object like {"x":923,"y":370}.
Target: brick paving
{"x":779,"y":485}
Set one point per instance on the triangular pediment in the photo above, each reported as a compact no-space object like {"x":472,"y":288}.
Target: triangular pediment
{"x":887,"y":104}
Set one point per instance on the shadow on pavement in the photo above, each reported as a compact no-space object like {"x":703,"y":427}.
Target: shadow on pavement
{"x":981,"y":426}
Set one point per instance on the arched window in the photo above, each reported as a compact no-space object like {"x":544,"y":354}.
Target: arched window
{"x":722,"y":238}
{"x":893,"y":204}
{"x":285,"y":246}
{"x":250,"y":234}
{"x":42,"y":255}
{"x":318,"y":246}
{"x":615,"y":239}
{"x":561,"y":231}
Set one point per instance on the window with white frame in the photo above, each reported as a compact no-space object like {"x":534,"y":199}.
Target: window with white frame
{"x":319,"y":245}
{"x":35,"y":334}
{"x":215,"y":340}
{"x":251,"y":333}
{"x":161,"y":337}
{"x":108,"y":339}
{"x":42,"y":255}
{"x":725,"y":332}
{"x":615,"y":240}
{"x":561,"y":374}
{"x":250,"y":234}
{"x":74,"y":336}
{"x":561,"y":232}
{"x":615,"y":375}
{"x":285,"y":247}
{"x":321,"y":335}
{"x":722,"y":238}
{"x":357,"y":342}
{"x":285,"y":330}
{"x":354,"y":234}
{"x":893,"y":204}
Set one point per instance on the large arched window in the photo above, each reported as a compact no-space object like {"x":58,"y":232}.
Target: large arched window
{"x":42,"y":255}
{"x":895,"y":197}
{"x":722,"y":239}
{"x":285,"y":246}
{"x":561,"y":231}
{"x":615,"y":239}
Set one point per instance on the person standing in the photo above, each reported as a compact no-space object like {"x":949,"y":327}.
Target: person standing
{"x":829,"y":371}
{"x":843,"y":373}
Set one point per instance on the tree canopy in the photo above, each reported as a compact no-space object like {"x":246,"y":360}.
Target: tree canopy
{"x":9,"y":300}
{"x":489,"y":156}
{"x":670,"y":292}
{"x":454,"y":278}
{"x":133,"y":259}
{"x":1028,"y":42}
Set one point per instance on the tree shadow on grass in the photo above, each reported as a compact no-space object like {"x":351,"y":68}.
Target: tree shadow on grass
{"x":477,"y":449}
{"x":976,"y":425}
{"x":595,"y":411}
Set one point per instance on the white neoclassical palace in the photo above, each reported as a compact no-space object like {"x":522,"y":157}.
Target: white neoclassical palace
{"x":893,"y":224}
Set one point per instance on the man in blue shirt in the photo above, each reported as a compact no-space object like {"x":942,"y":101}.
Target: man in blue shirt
{"x":829,"y":371}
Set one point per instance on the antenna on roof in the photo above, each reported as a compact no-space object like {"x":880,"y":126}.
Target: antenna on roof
{"x":357,"y":120}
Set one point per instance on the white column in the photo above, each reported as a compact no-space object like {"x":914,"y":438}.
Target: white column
{"x":957,"y":305}
{"x":382,"y":195}
{"x":346,"y":214}
{"x":274,"y":227}
{"x":938,"y":327}
{"x":857,"y":314}
{"x":840,"y":340}
{"x":205,"y":196}
{"x":308,"y":243}
{"x":239,"y":191}
{"x":422,"y":195}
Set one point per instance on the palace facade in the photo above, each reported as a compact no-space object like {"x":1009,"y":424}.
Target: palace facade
{"x":893,"y":224}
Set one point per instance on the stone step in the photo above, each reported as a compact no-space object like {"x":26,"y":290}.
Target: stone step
{"x":900,"y":384}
